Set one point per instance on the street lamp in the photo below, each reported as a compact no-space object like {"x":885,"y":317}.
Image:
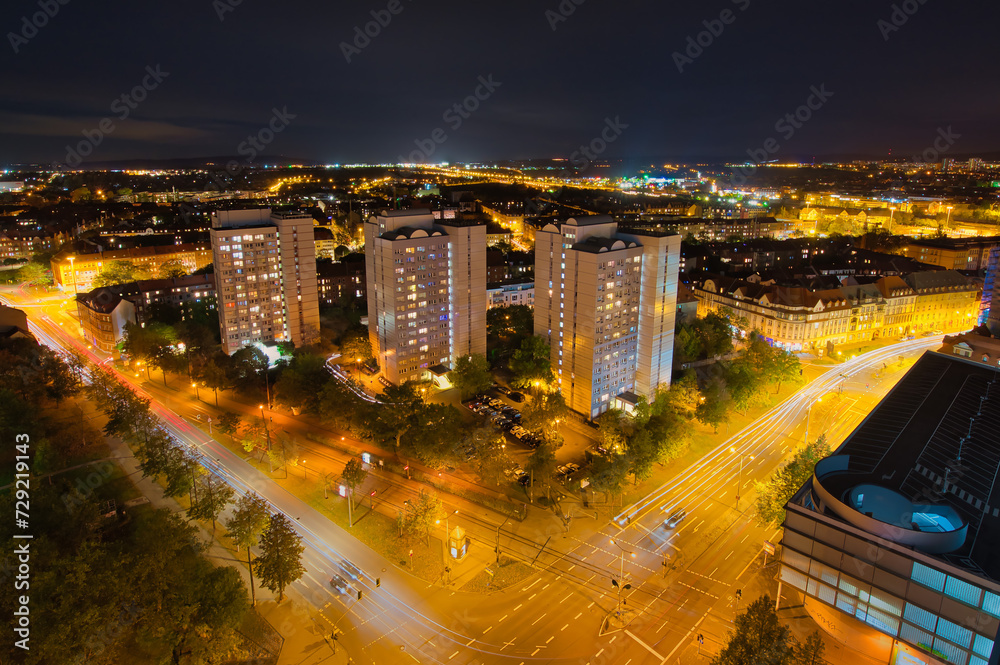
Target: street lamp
{"x":809,"y":411}
{"x":447,"y":533}
{"x":267,"y":433}
{"x":197,"y":395}
{"x":739,"y":478}
{"x":621,"y":574}
{"x":72,"y":271}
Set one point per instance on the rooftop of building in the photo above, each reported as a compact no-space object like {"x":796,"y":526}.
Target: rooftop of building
{"x":938,"y":280}
{"x":599,"y":244}
{"x":955,"y":243}
{"x":923,"y":464}
{"x":133,"y":253}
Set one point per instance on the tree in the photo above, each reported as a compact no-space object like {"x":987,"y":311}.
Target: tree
{"x":245,"y":526}
{"x":119,"y":272}
{"x":608,"y":475}
{"x":301,"y":382}
{"x":80,"y":194}
{"x":355,"y":344}
{"x":471,"y":375}
{"x":34,"y":273}
{"x":212,"y":375}
{"x":213,"y":496}
{"x":152,"y":344}
{"x":687,"y":344}
{"x":353,"y":477}
{"x":810,"y":652}
{"x":422,"y":514}
{"x":280,"y":560}
{"x":758,"y":638}
{"x":489,"y":452}
{"x":171,"y":269}
{"x":715,"y":404}
{"x":230,"y":423}
{"x":541,"y":465}
{"x":248,"y":371}
{"x":532,"y":362}
{"x":784,"y":367}
{"x":774,"y":493}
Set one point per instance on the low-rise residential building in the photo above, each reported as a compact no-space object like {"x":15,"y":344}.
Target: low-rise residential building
{"x":104,"y":311}
{"x":76,"y":272}
{"x":342,"y":281}
{"x":13,"y":323}
{"x":500,"y":295}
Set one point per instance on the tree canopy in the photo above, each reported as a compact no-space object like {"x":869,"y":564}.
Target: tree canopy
{"x":471,"y":375}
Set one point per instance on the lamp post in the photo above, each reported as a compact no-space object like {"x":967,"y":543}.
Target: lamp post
{"x":621,"y":574}
{"x":267,"y":433}
{"x":948,"y":222}
{"x":72,"y":271}
{"x":739,"y":478}
{"x":197,"y":395}
{"x":447,"y":533}
{"x":809,"y":411}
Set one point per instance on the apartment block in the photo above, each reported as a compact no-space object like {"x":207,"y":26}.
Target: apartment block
{"x":104,"y":311}
{"x":265,"y":271}
{"x":606,"y":302}
{"x":426,"y":291}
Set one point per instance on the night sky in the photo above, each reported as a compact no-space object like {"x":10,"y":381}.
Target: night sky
{"x":893,"y":87}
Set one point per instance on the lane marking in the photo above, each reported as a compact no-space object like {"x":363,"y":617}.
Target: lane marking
{"x":644,"y":646}
{"x":564,"y":628}
{"x":539,"y":619}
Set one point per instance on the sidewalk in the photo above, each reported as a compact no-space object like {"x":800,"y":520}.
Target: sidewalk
{"x":304,"y":639}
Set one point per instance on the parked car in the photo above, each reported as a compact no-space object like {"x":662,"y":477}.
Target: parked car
{"x":502,"y":389}
{"x":524,"y":480}
{"x":516,"y":396}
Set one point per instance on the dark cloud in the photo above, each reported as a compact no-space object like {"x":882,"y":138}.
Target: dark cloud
{"x":746,"y":63}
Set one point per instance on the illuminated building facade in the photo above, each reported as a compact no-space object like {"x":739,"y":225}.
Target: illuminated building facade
{"x":606,"y":302}
{"x":426,"y":291}
{"x":265,"y":272}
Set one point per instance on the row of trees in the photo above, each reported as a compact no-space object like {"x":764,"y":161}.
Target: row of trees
{"x":160,"y":456}
{"x":105,"y":588}
{"x":126,"y":272}
{"x":774,"y":493}
{"x":742,"y":383}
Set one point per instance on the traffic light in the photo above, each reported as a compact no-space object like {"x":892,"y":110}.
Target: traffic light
{"x":359,"y":595}
{"x":701,"y":638}
{"x":378,"y":581}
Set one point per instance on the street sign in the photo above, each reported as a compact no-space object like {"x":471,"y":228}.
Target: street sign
{"x":769,"y":547}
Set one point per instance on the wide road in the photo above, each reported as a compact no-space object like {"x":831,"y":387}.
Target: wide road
{"x":556,"y":616}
